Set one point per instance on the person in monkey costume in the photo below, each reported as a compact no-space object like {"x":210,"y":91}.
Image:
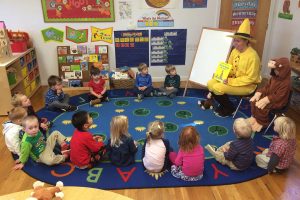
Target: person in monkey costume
{"x":274,"y":95}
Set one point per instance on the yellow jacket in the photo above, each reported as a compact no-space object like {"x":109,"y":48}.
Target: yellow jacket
{"x":245,"y":68}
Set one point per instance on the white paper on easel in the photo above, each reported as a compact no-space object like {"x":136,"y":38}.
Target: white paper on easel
{"x":214,"y":47}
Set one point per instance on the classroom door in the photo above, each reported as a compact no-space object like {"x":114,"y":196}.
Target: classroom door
{"x":260,"y":26}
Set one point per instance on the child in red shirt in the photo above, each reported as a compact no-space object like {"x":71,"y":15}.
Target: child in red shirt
{"x":85,"y":148}
{"x":97,"y":87}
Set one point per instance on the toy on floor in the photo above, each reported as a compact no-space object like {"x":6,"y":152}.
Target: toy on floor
{"x":46,"y":193}
{"x":206,"y":104}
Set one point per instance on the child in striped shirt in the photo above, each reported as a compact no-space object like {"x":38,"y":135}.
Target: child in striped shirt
{"x":237,"y":154}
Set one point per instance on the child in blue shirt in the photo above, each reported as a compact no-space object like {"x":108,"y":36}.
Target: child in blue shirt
{"x":55,"y":98}
{"x":143,"y":83}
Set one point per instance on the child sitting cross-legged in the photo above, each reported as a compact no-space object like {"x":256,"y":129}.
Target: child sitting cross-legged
{"x":143,"y":82}
{"x":12,"y":129}
{"x":86,"y":149}
{"x":155,"y":153}
{"x":34,"y":146}
{"x":171,"y":84}
{"x":280,"y":154}
{"x":237,"y":154}
{"x":121,"y":147}
{"x":188,"y":164}
{"x":97,"y":87}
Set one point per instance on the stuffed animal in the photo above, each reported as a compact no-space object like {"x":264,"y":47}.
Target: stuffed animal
{"x":42,"y":193}
{"x":206,"y":104}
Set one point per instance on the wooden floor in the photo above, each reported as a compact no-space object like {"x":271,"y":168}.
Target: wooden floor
{"x":285,"y":186}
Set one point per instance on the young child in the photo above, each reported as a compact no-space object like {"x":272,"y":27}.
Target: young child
{"x":189,"y":162}
{"x":143,"y":82}
{"x":55,"y":98}
{"x":172,"y":82}
{"x":22,"y":100}
{"x":280,"y":154}
{"x":97,"y":87}
{"x":85,"y":149}
{"x":155,"y":153}
{"x":121,"y":147}
{"x":237,"y":154}
{"x":33,"y":145}
{"x":12,"y":128}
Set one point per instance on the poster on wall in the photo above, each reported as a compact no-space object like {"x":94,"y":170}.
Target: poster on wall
{"x":160,"y":18}
{"x":242,"y":9}
{"x":194,"y":3}
{"x":131,"y":48}
{"x":125,"y":10}
{"x":159,"y":4}
{"x":52,"y":34}
{"x":168,"y":46}
{"x":76,"y":36}
{"x":78,"y":10}
{"x":286,"y":13}
{"x":99,"y":34}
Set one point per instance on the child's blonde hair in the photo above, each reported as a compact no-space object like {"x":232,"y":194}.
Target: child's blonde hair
{"x":169,"y":68}
{"x":118,"y":127}
{"x":16,"y":99}
{"x":17,"y":113}
{"x":285,"y":127}
{"x":155,"y":130}
{"x":142,"y":66}
{"x":29,"y":118}
{"x":189,"y":138}
{"x":242,"y":128}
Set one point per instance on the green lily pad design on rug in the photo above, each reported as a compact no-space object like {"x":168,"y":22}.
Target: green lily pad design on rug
{"x":122,"y":103}
{"x":184,"y":114}
{"x":164,"y":103}
{"x":170,"y":127}
{"x":94,"y":115}
{"x":218,"y":130}
{"x":141,"y":112}
{"x":141,"y":142}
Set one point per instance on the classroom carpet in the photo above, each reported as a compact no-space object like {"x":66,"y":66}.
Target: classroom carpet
{"x":175,"y":113}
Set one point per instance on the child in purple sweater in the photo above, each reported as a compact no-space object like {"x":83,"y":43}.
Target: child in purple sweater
{"x":189,"y":162}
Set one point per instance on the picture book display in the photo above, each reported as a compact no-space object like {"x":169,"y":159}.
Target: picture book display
{"x":222,"y":71}
{"x":74,"y":62}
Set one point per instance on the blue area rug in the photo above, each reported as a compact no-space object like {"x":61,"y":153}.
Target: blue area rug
{"x":176,"y":114}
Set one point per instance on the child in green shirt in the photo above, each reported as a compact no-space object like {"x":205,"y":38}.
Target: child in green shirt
{"x":34,"y":146}
{"x":172,"y":82}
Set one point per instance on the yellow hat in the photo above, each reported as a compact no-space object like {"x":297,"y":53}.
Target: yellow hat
{"x":244,"y":31}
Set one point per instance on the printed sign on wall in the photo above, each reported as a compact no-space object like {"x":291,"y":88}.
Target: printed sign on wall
{"x":131,"y":47}
{"x":168,"y":46}
{"x":76,"y":36}
{"x":104,"y":35}
{"x":53,"y":34}
{"x":160,"y":18}
{"x":242,"y":9}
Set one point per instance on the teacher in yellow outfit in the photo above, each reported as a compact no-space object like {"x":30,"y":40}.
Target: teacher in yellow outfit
{"x":244,"y":75}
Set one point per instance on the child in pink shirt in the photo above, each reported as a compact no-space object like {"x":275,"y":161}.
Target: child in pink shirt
{"x":189,"y":162}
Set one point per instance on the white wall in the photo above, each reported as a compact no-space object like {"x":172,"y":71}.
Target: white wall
{"x":284,"y":34}
{"x":27,"y":16}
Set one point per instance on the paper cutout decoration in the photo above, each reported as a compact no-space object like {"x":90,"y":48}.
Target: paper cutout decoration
{"x":160,"y":18}
{"x":78,"y":10}
{"x":76,"y":36}
{"x":53,"y":34}
{"x":222,"y":71}
{"x":104,"y":35}
{"x":194,"y":3}
{"x":125,"y":10}
{"x":285,"y":14}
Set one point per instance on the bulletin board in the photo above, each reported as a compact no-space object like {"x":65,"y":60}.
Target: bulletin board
{"x":78,"y":11}
{"x":168,"y":46}
{"x":74,"y":63}
{"x":131,"y":48}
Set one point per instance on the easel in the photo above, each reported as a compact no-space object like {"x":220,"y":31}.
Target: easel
{"x":214,"y":46}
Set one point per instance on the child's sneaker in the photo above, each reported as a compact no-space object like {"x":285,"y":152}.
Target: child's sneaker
{"x":210,"y":149}
{"x":139,"y":96}
{"x":71,"y":108}
{"x":151,"y":94}
{"x":94,"y":102}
